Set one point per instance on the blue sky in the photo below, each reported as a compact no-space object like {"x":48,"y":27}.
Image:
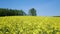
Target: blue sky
{"x":43,"y":7}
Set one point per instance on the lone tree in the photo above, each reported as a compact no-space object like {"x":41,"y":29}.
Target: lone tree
{"x":32,"y":12}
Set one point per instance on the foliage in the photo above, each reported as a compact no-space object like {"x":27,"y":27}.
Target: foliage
{"x":11,"y":12}
{"x":56,"y":16}
{"x":29,"y":25}
{"x":32,"y":12}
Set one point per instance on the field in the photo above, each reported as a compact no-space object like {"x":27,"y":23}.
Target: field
{"x":29,"y":25}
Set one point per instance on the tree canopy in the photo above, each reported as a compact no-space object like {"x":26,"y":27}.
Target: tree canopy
{"x":32,"y":12}
{"x":11,"y":12}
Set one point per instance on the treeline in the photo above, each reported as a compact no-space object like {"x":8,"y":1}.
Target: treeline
{"x":11,"y":12}
{"x":56,"y":16}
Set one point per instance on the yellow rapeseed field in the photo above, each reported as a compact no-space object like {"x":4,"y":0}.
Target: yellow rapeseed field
{"x":29,"y":25}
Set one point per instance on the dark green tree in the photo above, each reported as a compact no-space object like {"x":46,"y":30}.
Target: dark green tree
{"x":11,"y":12}
{"x":32,"y":12}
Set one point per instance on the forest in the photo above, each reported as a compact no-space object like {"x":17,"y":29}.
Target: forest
{"x":14,"y":12}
